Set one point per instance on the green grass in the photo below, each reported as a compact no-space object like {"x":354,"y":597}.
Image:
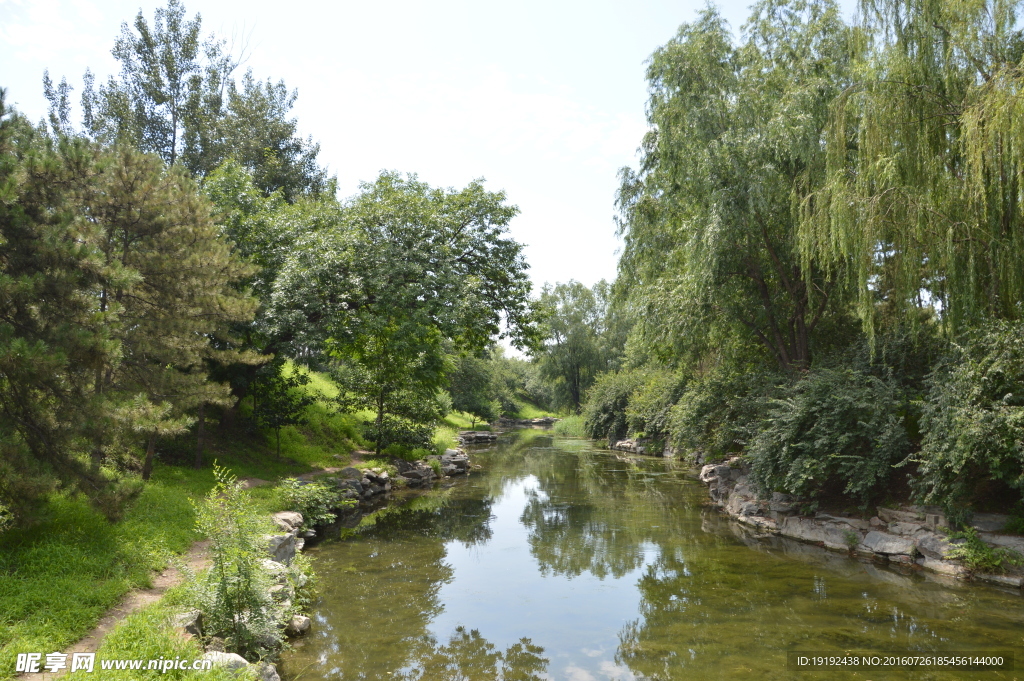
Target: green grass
{"x":570,"y":426}
{"x":59,"y":575}
{"x":148,"y":635}
{"x":531,"y":411}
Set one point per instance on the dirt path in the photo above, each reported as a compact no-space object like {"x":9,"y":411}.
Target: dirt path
{"x":196,"y":558}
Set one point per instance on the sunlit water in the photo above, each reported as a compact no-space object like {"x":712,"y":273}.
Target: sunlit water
{"x":557,"y":561}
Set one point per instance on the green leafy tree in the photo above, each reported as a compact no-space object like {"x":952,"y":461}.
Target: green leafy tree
{"x":176,"y":97}
{"x":924,"y":167}
{"x":710,"y":220}
{"x":279,"y":399}
{"x":472,"y":386}
{"x":574,"y":354}
{"x":410,"y":272}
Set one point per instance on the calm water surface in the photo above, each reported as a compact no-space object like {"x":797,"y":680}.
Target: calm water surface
{"x":557,"y":561}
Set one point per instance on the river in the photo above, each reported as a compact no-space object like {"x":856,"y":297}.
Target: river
{"x":555,"y":560}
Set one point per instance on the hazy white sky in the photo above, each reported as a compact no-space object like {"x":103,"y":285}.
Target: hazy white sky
{"x":543,"y":99}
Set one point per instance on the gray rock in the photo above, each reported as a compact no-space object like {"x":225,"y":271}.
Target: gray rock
{"x":267,"y":672}
{"x":713,"y":472}
{"x":297,"y":625}
{"x":1014,"y":581}
{"x":906,"y":529}
{"x":190,"y":622}
{"x":943,"y":567}
{"x":215,"y":645}
{"x":282,"y":547}
{"x":351,"y":473}
{"x":989,"y":522}
{"x":281,"y":592}
{"x":1004,"y":540}
{"x":880,"y":542}
{"x":288,"y":521}
{"x":229,"y":661}
{"x":933,"y":545}
{"x":831,"y":534}
{"x":877,"y":523}
{"x":277,"y":571}
{"x":890,"y":515}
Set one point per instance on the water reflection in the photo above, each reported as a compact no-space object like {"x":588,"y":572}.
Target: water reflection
{"x":470,"y":657}
{"x":584,"y":566}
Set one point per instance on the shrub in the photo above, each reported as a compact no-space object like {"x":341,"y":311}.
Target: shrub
{"x":604,"y":412}
{"x":977,"y":556}
{"x":835,"y":431}
{"x":570,"y":426}
{"x":720,"y":411}
{"x":973,"y":418}
{"x":419,"y":453}
{"x":401,"y":431}
{"x":650,"y":405}
{"x":316,"y":501}
{"x":233,"y":594}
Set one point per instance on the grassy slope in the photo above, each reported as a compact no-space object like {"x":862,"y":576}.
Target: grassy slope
{"x":60,"y":575}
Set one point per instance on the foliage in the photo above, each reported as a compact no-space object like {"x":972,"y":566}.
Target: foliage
{"x":411,"y":272}
{"x":649,"y":408}
{"x":233,"y":594}
{"x":573,"y":354}
{"x":921,"y":207}
{"x":278,"y":400}
{"x":604,"y":413}
{"x":710,"y":218}
{"x":473,"y":388}
{"x":721,"y":410}
{"x":833,"y":431}
{"x":570,"y":426}
{"x":973,"y":417}
{"x":977,"y":556}
{"x":316,"y":501}
{"x":117,"y":291}
{"x":176,"y":97}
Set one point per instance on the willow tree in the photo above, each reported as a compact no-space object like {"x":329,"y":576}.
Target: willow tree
{"x":710,"y":219}
{"x":924,"y":163}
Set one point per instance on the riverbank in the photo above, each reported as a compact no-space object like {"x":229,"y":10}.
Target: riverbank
{"x":915,"y":537}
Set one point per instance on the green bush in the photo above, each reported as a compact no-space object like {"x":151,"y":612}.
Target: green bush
{"x":398,"y":430}
{"x":570,"y":426}
{"x":720,"y":411}
{"x":650,"y":405}
{"x":316,"y":501}
{"x":604,"y":412}
{"x":834,"y":432}
{"x":977,"y":556}
{"x":233,"y":595}
{"x":973,"y":418}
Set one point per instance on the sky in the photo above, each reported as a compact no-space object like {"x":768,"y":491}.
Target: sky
{"x":543,"y":99}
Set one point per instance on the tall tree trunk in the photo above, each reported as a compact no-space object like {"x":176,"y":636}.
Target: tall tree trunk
{"x":200,"y":435}
{"x":147,"y":465}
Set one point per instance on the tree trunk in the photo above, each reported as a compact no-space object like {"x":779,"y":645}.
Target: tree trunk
{"x":279,"y":443}
{"x":147,"y":465}
{"x":200,"y":435}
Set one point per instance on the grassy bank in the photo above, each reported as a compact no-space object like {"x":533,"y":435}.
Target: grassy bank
{"x":59,"y":575}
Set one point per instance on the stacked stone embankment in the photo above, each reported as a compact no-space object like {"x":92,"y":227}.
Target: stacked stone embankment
{"x":914,"y":536}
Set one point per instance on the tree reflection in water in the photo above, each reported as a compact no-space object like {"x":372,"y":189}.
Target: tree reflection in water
{"x":468,"y":656}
